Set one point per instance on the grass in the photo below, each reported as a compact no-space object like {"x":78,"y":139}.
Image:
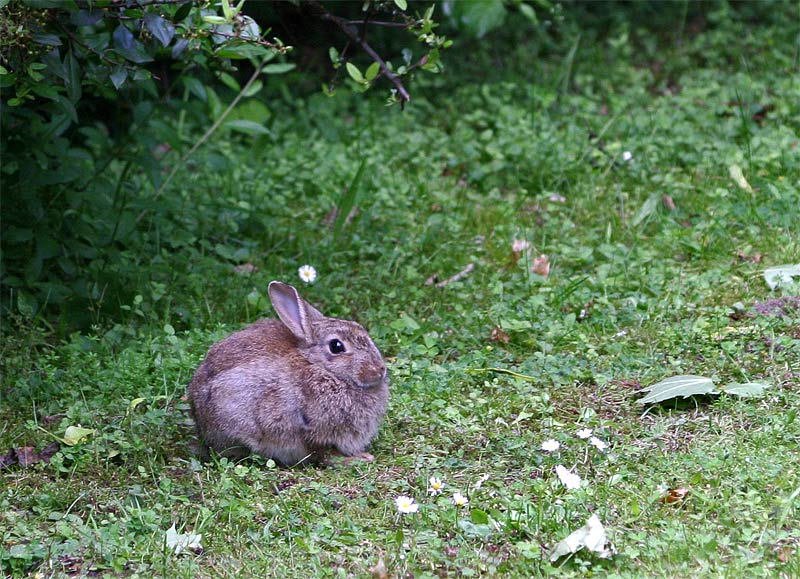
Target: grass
{"x":655,"y":270}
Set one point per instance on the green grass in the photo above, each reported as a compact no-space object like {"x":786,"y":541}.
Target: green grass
{"x":636,"y":292}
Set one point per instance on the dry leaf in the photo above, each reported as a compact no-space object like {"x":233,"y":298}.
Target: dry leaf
{"x":668,"y":202}
{"x":26,"y":456}
{"x":591,"y":536}
{"x":379,"y":571}
{"x":432,"y":279}
{"x":517,"y":247}
{"x":755,"y":258}
{"x":498,"y":335}
{"x":675,"y":496}
{"x":245,"y":268}
{"x":541,"y":265}
{"x":738,"y":177}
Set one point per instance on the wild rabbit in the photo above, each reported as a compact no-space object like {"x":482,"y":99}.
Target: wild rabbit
{"x":295,"y":390}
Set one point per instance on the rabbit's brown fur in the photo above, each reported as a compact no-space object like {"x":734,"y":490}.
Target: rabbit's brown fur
{"x":283,"y":390}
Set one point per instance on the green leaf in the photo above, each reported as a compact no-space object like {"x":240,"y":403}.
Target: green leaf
{"x":253,"y":89}
{"x":161,"y":29}
{"x":230,"y":82}
{"x":195,"y":87}
{"x":354,"y":73}
{"x":479,"y":517}
{"x":746,"y":390}
{"x":123,"y":38}
{"x":75,"y":434}
{"x":401,"y":4}
{"x":241,"y":51}
{"x":214,"y":20}
{"x":247,"y":127}
{"x":278,"y":68}
{"x":72,"y":79}
{"x":478,"y":17}
{"x":372,"y":71}
{"x":472,"y":530}
{"x":348,"y":199}
{"x":648,"y":208}
{"x":46,"y":39}
{"x":183,"y":12}
{"x":529,"y":13}
{"x":26,"y":305}
{"x":678,"y":386}
{"x":119,"y":76}
{"x":781,"y":275}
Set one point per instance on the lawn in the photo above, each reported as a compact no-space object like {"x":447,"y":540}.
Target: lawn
{"x":619,"y":203}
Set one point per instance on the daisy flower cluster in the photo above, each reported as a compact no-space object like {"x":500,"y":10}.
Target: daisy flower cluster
{"x":568,"y":478}
{"x":406,"y":505}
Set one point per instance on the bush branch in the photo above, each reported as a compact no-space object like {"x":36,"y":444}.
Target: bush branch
{"x":352,"y":33}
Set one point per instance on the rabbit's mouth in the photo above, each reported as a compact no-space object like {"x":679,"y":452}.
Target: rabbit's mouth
{"x":372,"y":377}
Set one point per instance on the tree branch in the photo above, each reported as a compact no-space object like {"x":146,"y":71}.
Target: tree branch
{"x":352,"y":33}
{"x":381,"y":23}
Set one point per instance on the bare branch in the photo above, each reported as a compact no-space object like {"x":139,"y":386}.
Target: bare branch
{"x":461,"y":274}
{"x":352,"y":33}
{"x":381,"y":23}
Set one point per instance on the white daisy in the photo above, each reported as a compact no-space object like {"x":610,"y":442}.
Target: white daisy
{"x":598,"y":444}
{"x":459,"y":500}
{"x":435,"y":486}
{"x":406,"y":505}
{"x":551,"y":445}
{"x":307,"y":273}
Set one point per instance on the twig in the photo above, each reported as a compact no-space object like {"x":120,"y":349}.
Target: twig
{"x":352,"y":33}
{"x":208,"y":133}
{"x":461,"y":274}
{"x":380,"y":23}
{"x":283,"y":49}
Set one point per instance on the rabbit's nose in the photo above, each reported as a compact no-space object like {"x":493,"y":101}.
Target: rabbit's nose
{"x":373,"y":376}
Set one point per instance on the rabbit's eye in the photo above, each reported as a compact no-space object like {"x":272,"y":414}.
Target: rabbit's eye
{"x":336,"y":347}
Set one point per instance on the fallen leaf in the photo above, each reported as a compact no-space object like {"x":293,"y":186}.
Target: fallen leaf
{"x":52,"y":419}
{"x":498,"y":335}
{"x":737,"y":175}
{"x":8,"y":458}
{"x":541,"y":266}
{"x":379,"y":571}
{"x":755,"y":258}
{"x":674,"y":496}
{"x":180,"y":542}
{"x":74,"y":434}
{"x":245,"y":268}
{"x":781,"y":275}
{"x":517,"y":247}
{"x":668,"y":202}
{"x":591,"y":536}
{"x":746,"y":390}
{"x":26,"y":456}
{"x":684,"y":385}
{"x":48,"y":451}
{"x":781,"y":307}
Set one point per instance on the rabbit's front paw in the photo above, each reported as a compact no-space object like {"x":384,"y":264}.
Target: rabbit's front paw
{"x":336,"y":458}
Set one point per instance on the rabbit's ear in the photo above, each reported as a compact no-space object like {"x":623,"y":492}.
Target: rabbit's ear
{"x":295,"y":313}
